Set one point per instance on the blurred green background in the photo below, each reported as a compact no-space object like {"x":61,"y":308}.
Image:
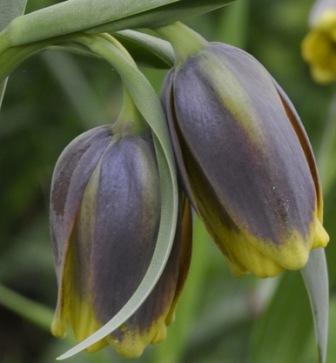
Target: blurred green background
{"x":52,"y":98}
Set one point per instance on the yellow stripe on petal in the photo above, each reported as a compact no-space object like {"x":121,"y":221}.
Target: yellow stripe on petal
{"x":84,"y":322}
{"x":131,"y":343}
{"x":233,"y":96}
{"x":73,"y":308}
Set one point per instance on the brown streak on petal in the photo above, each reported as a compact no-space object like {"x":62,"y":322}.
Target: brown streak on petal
{"x":169,"y":108}
{"x":183,"y":237}
{"x":296,"y":122}
{"x":72,"y":173}
{"x":67,"y":163}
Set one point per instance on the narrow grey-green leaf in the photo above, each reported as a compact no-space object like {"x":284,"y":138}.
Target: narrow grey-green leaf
{"x":86,"y":15}
{"x":164,"y":15}
{"x":315,"y":276}
{"x":147,"y":49}
{"x":9,"y":9}
{"x":73,"y":16}
{"x":149,"y":106}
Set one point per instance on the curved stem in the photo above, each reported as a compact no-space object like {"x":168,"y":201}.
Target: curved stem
{"x":129,"y":119}
{"x":184,"y":40}
{"x":117,"y":44}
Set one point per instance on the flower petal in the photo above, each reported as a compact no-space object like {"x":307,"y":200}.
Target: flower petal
{"x":234,"y":124}
{"x":71,"y":178}
{"x":297,"y":124}
{"x":168,"y":105}
{"x":127,"y":218}
{"x":149,"y":324}
{"x":71,"y":175}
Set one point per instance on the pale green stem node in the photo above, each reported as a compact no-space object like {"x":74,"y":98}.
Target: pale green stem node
{"x":184,"y":40}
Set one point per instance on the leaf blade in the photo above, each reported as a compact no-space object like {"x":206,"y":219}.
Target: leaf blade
{"x":147,"y":49}
{"x":9,"y":9}
{"x":73,"y":16}
{"x":79,"y":15}
{"x":315,"y":276}
{"x":164,"y":15}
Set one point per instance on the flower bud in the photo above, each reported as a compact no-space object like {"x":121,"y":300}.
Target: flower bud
{"x":318,"y":47}
{"x":105,"y":214}
{"x":245,"y":160}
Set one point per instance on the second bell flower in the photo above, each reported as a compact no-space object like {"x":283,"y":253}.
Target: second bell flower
{"x":105,"y":214}
{"x":245,"y":160}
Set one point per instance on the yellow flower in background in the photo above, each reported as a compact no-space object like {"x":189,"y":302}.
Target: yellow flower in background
{"x":319,"y":46}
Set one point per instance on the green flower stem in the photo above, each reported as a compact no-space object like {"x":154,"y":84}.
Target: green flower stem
{"x":144,"y":45}
{"x":113,"y":41}
{"x":32,"y":311}
{"x":129,"y":118}
{"x":184,"y":40}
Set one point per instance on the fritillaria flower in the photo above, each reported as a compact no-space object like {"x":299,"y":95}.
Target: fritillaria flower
{"x":105,"y":213}
{"x":245,"y":160}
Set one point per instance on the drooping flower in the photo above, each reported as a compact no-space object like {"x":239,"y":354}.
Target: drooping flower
{"x":105,"y":213}
{"x":319,"y":45}
{"x":245,"y":160}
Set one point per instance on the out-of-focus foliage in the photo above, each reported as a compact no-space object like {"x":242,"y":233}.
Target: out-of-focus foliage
{"x":54,"y":97}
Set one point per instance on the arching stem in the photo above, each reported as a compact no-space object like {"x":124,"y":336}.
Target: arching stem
{"x":184,"y":40}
